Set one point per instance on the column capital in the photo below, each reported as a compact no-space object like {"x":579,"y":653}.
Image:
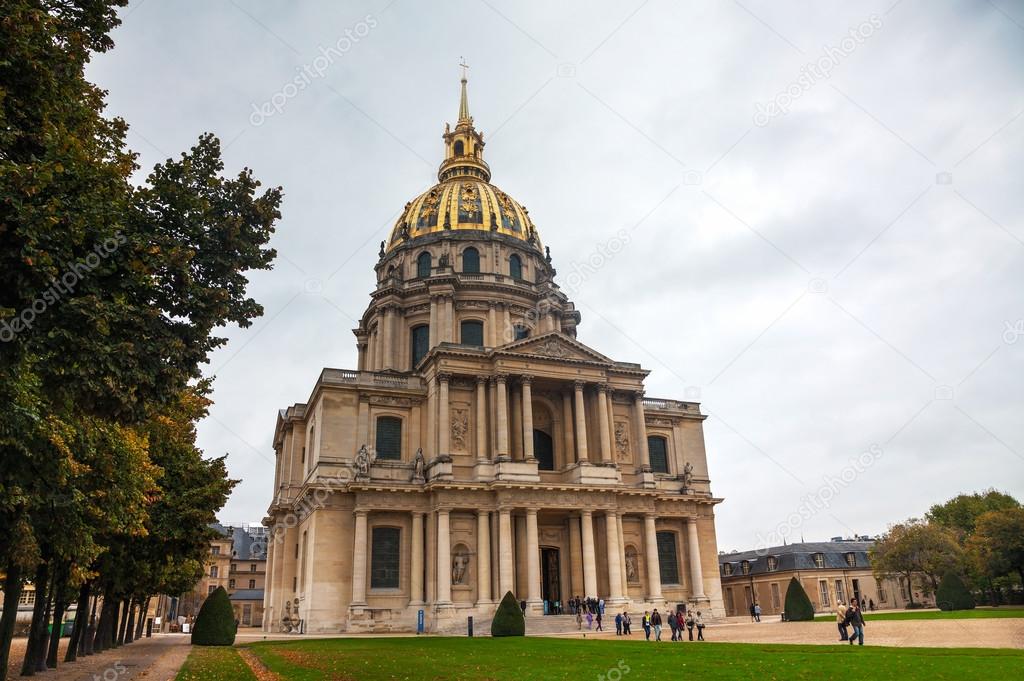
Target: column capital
{"x":650,"y":516}
{"x":444,"y":377}
{"x":586,"y":513}
{"x":638,"y":396}
{"x":531,"y":511}
{"x":579,"y":385}
{"x":526,"y":379}
{"x":481,"y":379}
{"x":603,"y":388}
{"x":361,"y":512}
{"x":500,"y":378}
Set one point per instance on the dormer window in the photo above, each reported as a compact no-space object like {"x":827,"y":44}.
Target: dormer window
{"x":773,"y":563}
{"x":851,"y":559}
{"x":819,"y":560}
{"x":745,"y":567}
{"x":727,"y":569}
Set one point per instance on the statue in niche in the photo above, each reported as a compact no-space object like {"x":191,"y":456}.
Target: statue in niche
{"x":687,"y":475}
{"x":418,"y":466}
{"x":442,"y":262}
{"x":363,"y":463}
{"x":460,"y":566}
{"x":632,"y":567}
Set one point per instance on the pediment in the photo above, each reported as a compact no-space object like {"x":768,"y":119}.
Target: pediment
{"x":554,"y":345}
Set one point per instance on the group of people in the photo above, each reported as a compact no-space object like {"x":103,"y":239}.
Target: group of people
{"x":852,"y":616}
{"x":582,"y":606}
{"x":678,"y":622}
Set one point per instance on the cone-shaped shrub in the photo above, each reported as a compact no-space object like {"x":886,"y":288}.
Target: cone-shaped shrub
{"x":215,"y":623}
{"x":508,"y":620}
{"x":953,"y":594}
{"x":798,"y":605}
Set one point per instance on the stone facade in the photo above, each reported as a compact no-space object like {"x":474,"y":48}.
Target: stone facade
{"x":479,"y":448}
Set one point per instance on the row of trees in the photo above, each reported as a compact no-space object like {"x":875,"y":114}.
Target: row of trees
{"x":110,"y":294}
{"x":977,"y":537}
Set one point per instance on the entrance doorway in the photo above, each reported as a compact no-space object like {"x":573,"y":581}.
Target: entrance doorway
{"x":551,"y":590}
{"x":543,"y":450}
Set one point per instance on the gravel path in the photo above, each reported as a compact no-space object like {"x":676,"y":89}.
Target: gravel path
{"x":153,"y":659}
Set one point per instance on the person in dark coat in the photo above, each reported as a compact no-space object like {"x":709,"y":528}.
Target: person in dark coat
{"x":689,"y":624}
{"x":672,"y":624}
{"x":855,"y":619}
{"x":618,"y":624}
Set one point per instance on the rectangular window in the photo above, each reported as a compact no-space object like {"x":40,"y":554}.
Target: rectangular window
{"x":295,"y":584}
{"x":231,"y":584}
{"x":472,"y":333}
{"x":234,"y":567}
{"x":252,"y":583}
{"x":211,"y":589}
{"x":214,"y":570}
{"x":748,"y":598}
{"x":385,"y":558}
{"x":881,"y":593}
{"x":657,"y":447}
{"x":823,"y":586}
{"x":840,"y":592}
{"x":252,"y":567}
{"x":420,"y":343}
{"x":389,"y":438}
{"x":729,"y":606}
{"x":776,"y":600}
{"x":27,"y":597}
{"x":216,"y":550}
{"x":668,"y":560}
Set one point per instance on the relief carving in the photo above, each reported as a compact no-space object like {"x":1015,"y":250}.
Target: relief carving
{"x":460,"y":428}
{"x":622,"y":441}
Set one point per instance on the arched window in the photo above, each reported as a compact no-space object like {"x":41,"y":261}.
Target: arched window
{"x":423,"y":265}
{"x":420,"y":343}
{"x":515,"y":266}
{"x":657,"y":447}
{"x":389,"y":438}
{"x":472,"y":333}
{"x":385,"y":558}
{"x":460,"y":149}
{"x":471,"y":260}
{"x":668,"y":561}
{"x":543,"y":451}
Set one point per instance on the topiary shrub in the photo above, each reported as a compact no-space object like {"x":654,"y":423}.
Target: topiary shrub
{"x":508,"y":620}
{"x":798,"y":605}
{"x":953,"y":594}
{"x":215,"y":623}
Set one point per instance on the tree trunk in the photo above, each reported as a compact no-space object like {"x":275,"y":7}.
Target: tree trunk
{"x":44,"y":634}
{"x":101,"y":641}
{"x":129,"y":631}
{"x":12,"y":592}
{"x":28,"y":667}
{"x":910,"y":589}
{"x":60,"y":605}
{"x":81,"y":621}
{"x":90,"y":633}
{"x":126,"y":606}
{"x":140,"y":625}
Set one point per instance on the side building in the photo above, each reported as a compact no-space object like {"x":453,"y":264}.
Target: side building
{"x":830,"y":572}
{"x":237,"y":562}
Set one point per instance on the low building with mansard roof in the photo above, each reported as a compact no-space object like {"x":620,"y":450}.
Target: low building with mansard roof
{"x":479,"y":447}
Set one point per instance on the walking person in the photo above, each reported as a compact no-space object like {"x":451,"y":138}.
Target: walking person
{"x":855,"y":619}
{"x":626,"y":621}
{"x":841,"y":621}
{"x":646,"y":623}
{"x":751,"y":612}
{"x":618,"y":624}
{"x":656,"y":623}
{"x":757,"y":612}
{"x":672,"y":624}
{"x":599,"y":621}
{"x":590,"y":621}
{"x":579,"y":620}
{"x":689,"y":624}
{"x":600,"y":606}
{"x":700,"y":626}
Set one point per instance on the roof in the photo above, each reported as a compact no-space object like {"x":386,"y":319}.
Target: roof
{"x":801,"y":556}
{"x":247,"y":595}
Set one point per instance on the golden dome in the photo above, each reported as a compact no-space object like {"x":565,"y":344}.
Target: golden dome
{"x":464,"y":199}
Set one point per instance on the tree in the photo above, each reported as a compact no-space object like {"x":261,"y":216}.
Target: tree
{"x":798,"y":606}
{"x":508,"y":620}
{"x":916,"y":550}
{"x":961,"y":513}
{"x":953,"y":594}
{"x":999,"y":542}
{"x":215,"y":623}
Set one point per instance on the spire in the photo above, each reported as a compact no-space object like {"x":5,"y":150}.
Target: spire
{"x":464,"y":100}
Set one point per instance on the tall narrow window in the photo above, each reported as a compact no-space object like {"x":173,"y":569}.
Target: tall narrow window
{"x":823,"y":586}
{"x":658,"y":449}
{"x":423,"y":265}
{"x":515,"y":266}
{"x":420,"y":343}
{"x":840,"y":591}
{"x":472,"y":333}
{"x":471,"y":260}
{"x":668,"y":560}
{"x":776,"y":601}
{"x":385,"y":558}
{"x":389,"y":438}
{"x":460,"y":148}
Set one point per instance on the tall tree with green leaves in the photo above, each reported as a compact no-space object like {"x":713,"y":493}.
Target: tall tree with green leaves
{"x":917,"y":551}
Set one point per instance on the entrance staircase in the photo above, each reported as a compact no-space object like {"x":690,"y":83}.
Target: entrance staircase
{"x":536,"y":625}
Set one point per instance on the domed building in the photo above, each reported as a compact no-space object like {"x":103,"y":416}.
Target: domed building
{"x":479,"y":448}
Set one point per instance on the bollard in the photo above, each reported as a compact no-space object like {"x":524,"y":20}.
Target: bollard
{"x":149,"y":627}
{"x":469,"y":625}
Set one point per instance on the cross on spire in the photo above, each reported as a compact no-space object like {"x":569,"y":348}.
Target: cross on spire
{"x":464,"y":65}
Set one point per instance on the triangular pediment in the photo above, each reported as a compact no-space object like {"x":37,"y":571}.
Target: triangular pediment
{"x":554,"y":345}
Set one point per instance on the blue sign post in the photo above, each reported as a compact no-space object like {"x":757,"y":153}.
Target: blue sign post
{"x":419,"y":621}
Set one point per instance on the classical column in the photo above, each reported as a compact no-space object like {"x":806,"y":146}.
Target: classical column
{"x":483,"y":558}
{"x":502,"y":416}
{"x":575,"y":557}
{"x":653,"y":565}
{"x":481,"y":418}
{"x":362,"y":423}
{"x":507,"y":334}
{"x":589,"y":562}
{"x":532,"y":557}
{"x":416,"y":576}
{"x":359,"y":559}
{"x":567,"y":421}
{"x":444,"y":425}
{"x":444,"y":559}
{"x":361,"y":361}
{"x":696,"y":574}
{"x":611,"y":526}
{"x":611,"y":421}
{"x":602,"y":413}
{"x":527,"y":419}
{"x":622,"y":556}
{"x":641,"y":427}
{"x":504,"y":551}
{"x":449,"y":317}
{"x":389,"y":342}
{"x":515,"y":417}
{"x":581,"y":423}
{"x":433,"y":321}
{"x":371,"y":352}
{"x":430,"y":451}
{"x":492,"y":324}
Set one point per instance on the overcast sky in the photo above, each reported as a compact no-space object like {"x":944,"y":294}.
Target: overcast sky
{"x":825,"y":228}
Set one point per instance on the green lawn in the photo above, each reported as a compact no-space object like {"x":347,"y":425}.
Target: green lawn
{"x":214,"y":664}
{"x":977,"y":613}
{"x":519,"y":659}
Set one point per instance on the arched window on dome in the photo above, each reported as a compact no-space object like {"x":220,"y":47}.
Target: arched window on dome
{"x":471,"y":260}
{"x":423,"y":265}
{"x":515,"y":266}
{"x":420,"y":342}
{"x":471,"y":332}
{"x":521,"y":332}
{"x":460,"y":149}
